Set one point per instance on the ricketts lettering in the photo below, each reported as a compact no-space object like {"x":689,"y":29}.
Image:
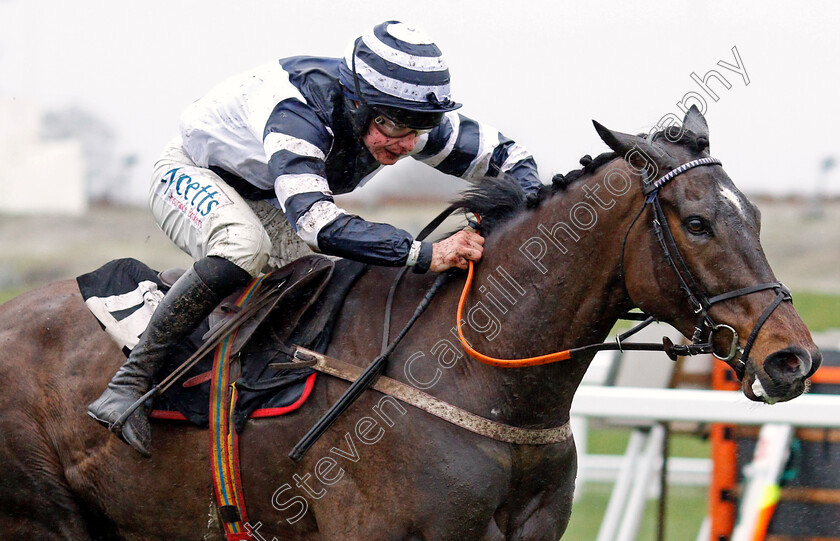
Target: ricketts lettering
{"x":192,"y":198}
{"x":184,"y":186}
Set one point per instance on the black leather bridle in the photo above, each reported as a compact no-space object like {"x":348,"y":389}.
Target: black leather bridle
{"x":699,"y":301}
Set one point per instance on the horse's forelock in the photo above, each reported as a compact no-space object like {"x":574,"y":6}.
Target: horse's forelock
{"x":684,"y":137}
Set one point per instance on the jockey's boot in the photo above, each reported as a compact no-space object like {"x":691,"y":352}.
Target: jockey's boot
{"x":191,"y":299}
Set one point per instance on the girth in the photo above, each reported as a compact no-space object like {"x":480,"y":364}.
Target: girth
{"x":435,"y":406}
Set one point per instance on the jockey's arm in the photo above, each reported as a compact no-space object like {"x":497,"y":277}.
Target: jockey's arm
{"x":468,"y":149}
{"x":465,"y":148}
{"x":297,"y":163}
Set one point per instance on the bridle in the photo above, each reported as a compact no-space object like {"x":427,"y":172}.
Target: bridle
{"x":699,"y":301}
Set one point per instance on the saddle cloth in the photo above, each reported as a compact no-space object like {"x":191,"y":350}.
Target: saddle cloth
{"x":123,"y":294}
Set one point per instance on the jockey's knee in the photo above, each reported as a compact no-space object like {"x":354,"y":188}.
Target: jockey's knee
{"x":220,"y":274}
{"x":247,"y":246}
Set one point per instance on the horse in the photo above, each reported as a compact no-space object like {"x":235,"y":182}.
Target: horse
{"x":557,"y":272}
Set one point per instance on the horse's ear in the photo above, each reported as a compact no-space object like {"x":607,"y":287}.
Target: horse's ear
{"x":635,"y":150}
{"x":696,"y":123}
{"x":620,"y":143}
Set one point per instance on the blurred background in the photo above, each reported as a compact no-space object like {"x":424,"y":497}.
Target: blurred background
{"x":90,"y":92}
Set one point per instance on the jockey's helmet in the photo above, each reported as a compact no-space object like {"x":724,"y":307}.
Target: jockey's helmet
{"x":396,"y":71}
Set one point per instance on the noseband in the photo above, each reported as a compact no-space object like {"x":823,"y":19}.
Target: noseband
{"x":700,"y":303}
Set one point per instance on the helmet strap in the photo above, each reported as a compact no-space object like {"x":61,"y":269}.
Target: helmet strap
{"x":358,"y":115}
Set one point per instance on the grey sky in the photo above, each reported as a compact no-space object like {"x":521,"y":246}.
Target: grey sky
{"x":539,"y":71}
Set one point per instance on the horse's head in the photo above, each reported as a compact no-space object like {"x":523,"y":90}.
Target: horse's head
{"x":693,"y":259}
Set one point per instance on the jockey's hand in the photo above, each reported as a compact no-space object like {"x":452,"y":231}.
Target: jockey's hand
{"x":455,"y":251}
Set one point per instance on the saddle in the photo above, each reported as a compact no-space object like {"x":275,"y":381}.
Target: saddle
{"x":295,"y":287}
{"x":296,"y":304}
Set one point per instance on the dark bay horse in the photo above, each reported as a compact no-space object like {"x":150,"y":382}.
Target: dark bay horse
{"x":555,"y":275}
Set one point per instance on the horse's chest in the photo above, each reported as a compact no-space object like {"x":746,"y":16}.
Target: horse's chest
{"x":540,"y":489}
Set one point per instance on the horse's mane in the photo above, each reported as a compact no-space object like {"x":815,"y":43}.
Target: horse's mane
{"x":559,"y":182}
{"x":497,"y":199}
{"x":677,"y":136}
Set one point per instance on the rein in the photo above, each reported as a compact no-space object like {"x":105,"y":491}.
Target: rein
{"x":700,"y":303}
{"x":672,"y":350}
{"x":369,"y":376}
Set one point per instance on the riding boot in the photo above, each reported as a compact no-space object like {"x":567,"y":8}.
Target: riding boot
{"x":190,"y":300}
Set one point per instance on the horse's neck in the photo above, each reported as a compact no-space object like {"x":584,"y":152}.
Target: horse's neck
{"x":549,"y":282}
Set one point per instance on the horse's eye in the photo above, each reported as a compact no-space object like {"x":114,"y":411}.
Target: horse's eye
{"x":696,"y":225}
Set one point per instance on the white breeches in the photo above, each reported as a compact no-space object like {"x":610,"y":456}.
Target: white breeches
{"x":204,"y":216}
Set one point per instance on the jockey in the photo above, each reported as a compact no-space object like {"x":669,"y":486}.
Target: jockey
{"x":247,"y":185}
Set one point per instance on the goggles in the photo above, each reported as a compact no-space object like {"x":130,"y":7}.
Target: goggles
{"x":389,"y":128}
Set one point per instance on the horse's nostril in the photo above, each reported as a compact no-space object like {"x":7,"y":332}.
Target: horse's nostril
{"x":788,"y":365}
{"x":816,"y":361}
{"x":791,"y":363}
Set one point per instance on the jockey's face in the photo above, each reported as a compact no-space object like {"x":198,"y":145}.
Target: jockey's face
{"x":386,"y":149}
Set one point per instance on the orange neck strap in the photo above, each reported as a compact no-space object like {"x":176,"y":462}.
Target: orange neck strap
{"x":504,"y":363}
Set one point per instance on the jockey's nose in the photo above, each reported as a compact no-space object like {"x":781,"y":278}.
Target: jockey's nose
{"x":406,"y":144}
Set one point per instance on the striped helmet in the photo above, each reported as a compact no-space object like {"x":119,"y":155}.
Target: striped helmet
{"x":398,"y":71}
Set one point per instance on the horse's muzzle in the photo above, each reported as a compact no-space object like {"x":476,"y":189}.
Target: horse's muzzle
{"x":787,"y":371}
{"x":788,"y":365}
